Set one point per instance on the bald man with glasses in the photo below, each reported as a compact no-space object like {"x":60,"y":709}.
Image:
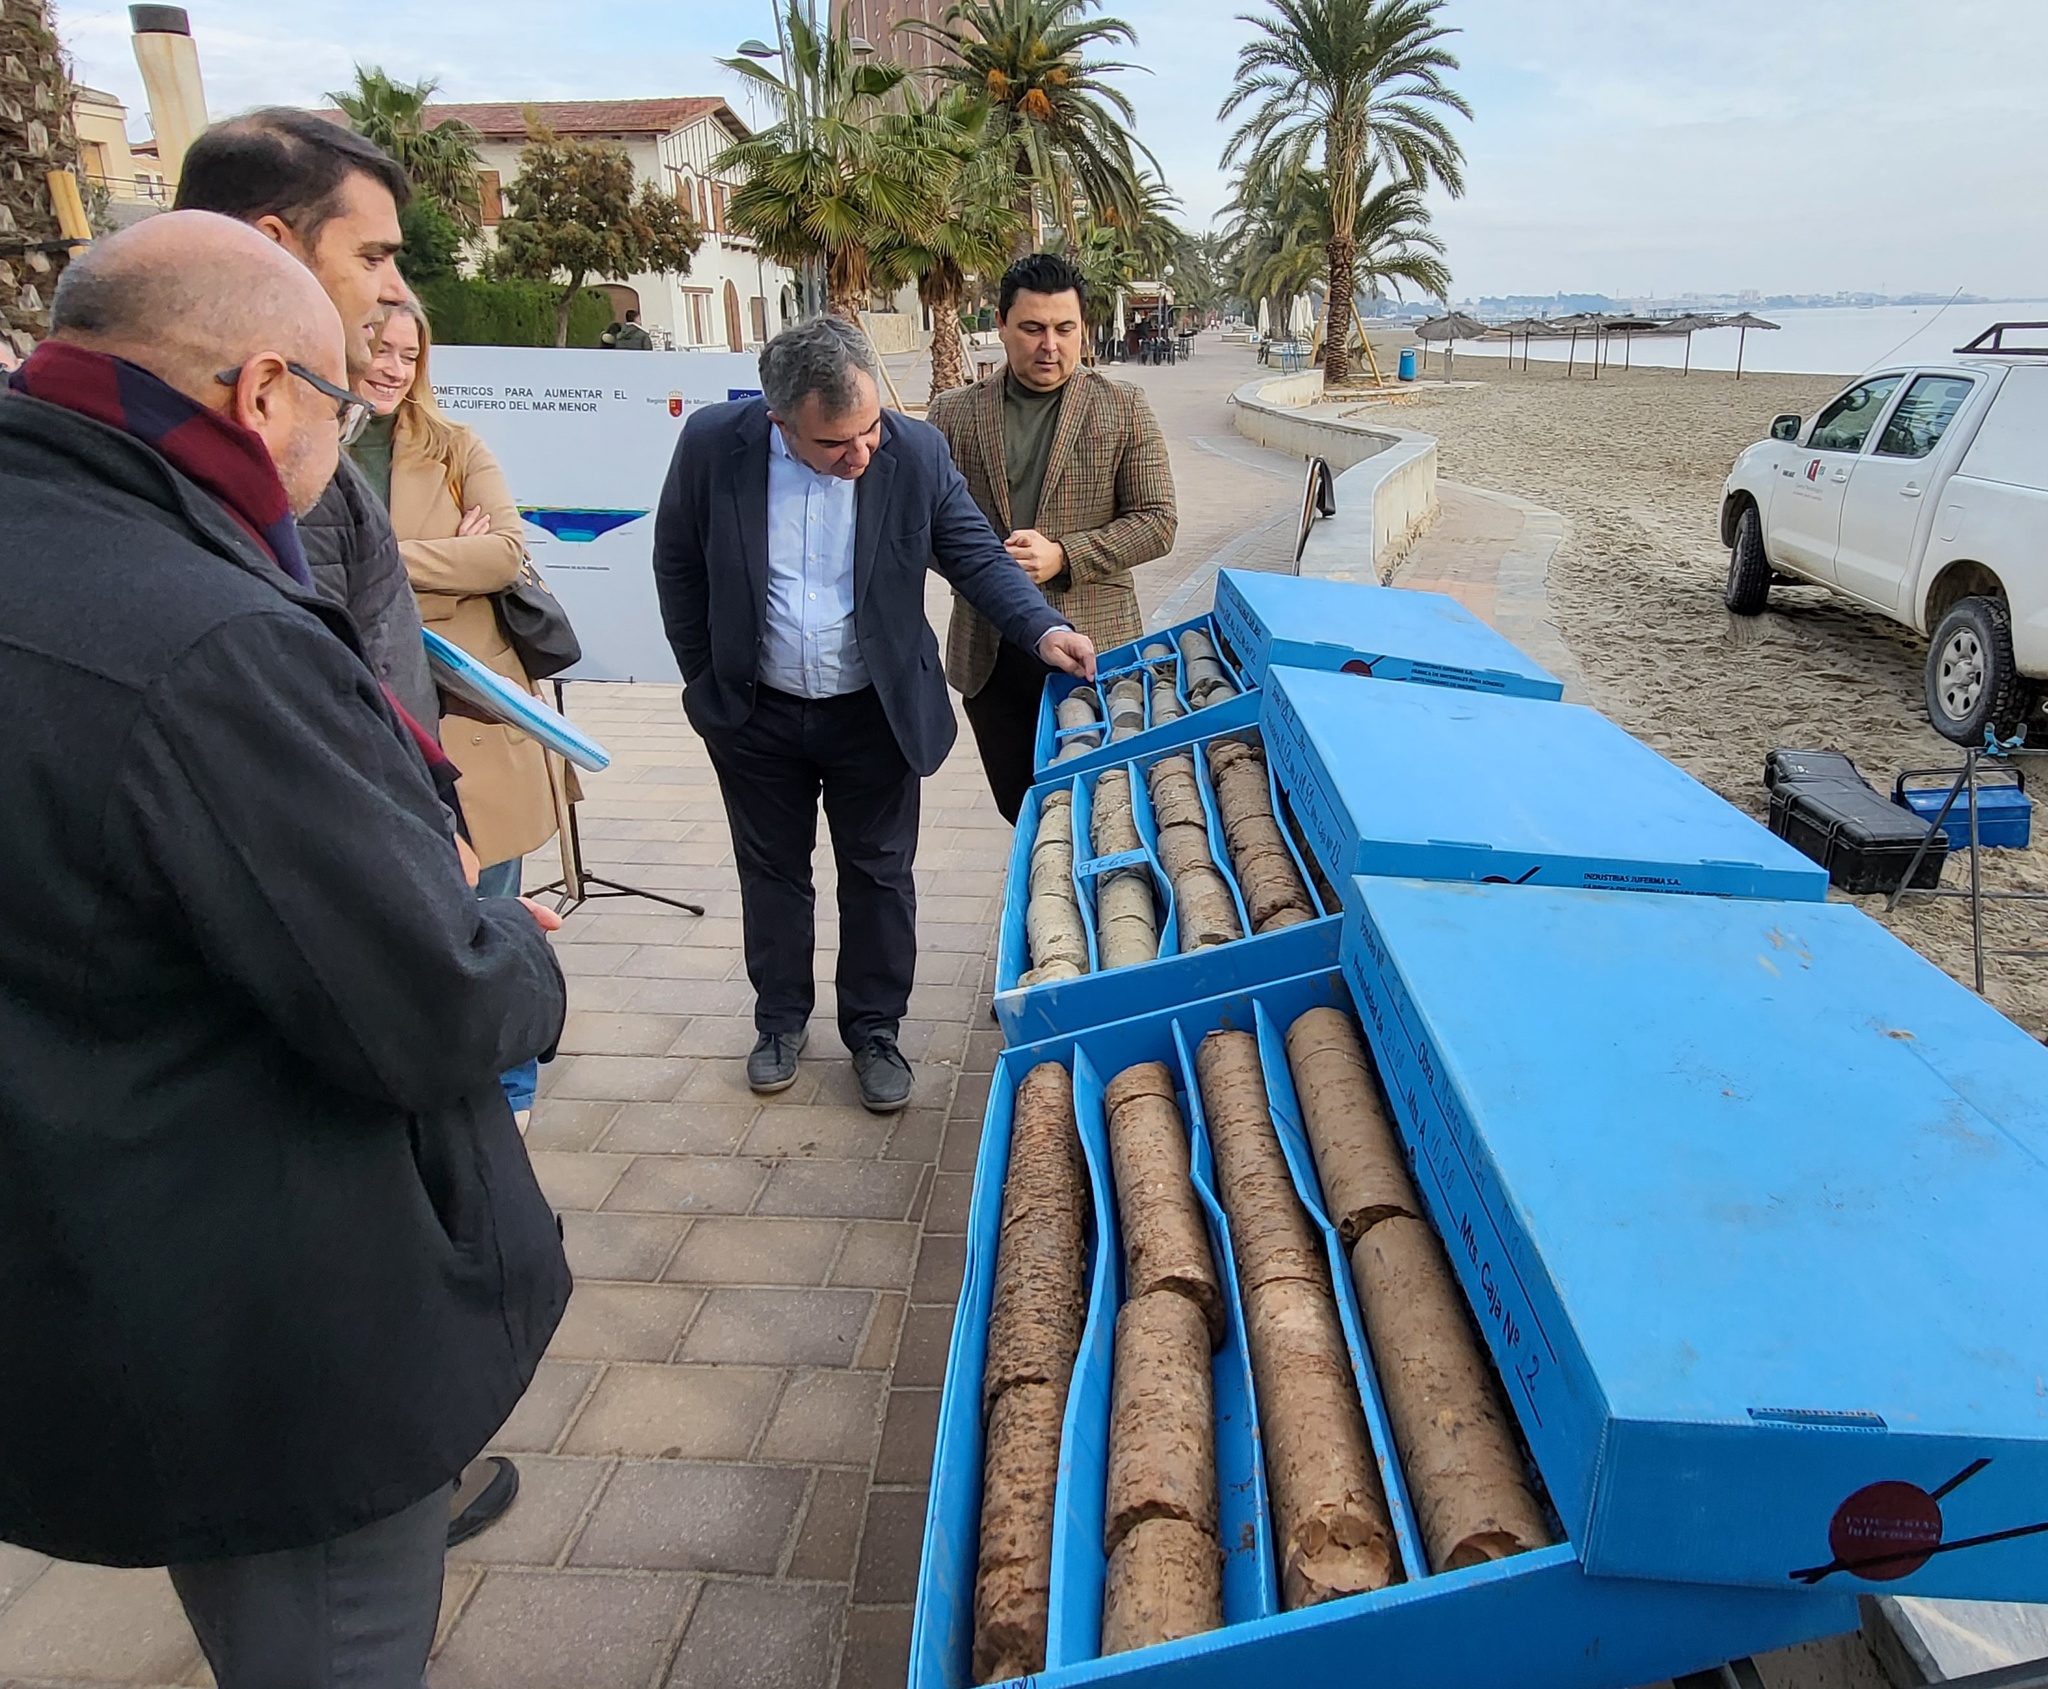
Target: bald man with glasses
{"x":274,"y":1263}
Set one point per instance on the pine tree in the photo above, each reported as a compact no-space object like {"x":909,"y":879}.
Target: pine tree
{"x":36,"y":138}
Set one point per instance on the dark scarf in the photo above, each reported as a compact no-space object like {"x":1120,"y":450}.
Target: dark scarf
{"x":229,"y":461}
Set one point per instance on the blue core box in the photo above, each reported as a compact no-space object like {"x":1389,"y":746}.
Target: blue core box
{"x":1386,"y":632}
{"x":1424,"y":781}
{"x":1535,"y":1620}
{"x":1749,"y":1199}
{"x":1181,"y":972}
{"x":1233,"y":704}
{"x":1262,"y":621}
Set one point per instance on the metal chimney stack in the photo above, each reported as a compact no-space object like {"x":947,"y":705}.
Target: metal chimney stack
{"x":169,"y":60}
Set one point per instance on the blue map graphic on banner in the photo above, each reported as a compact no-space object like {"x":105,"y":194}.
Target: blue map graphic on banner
{"x":578,"y":527}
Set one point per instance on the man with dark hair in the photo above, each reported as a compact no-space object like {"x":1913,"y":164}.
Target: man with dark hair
{"x":633,"y":337}
{"x":331,"y":199}
{"x":273,"y":1261}
{"x":790,"y":551}
{"x":1072,"y":467}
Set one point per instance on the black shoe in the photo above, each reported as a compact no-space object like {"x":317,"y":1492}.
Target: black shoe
{"x":883,"y":1073}
{"x":482,"y":1494}
{"x":772,"y":1066}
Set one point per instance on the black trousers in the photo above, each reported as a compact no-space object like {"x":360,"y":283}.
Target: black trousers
{"x":1004,"y":716}
{"x":772,"y":772}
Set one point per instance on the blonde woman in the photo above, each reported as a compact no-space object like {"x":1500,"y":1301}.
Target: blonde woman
{"x":458,"y":531}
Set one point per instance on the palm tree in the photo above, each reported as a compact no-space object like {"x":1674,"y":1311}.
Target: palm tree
{"x":1361,"y":82}
{"x":972,"y":233}
{"x":845,"y":175}
{"x":440,"y":161}
{"x":1154,"y":238}
{"x":1067,"y":129}
{"x":1286,"y":241}
{"x":1274,"y":252}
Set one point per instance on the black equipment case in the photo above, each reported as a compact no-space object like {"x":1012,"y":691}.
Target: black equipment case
{"x":1825,"y":809}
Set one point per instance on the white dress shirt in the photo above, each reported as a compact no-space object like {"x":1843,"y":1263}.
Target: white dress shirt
{"x":809,"y":647}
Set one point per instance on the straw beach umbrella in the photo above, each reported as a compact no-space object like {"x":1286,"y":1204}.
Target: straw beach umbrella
{"x":1745,"y":322}
{"x":1628,"y":328}
{"x":1580,"y":322}
{"x":1450,"y":328}
{"x":1528,"y":328}
{"x":1688,"y":325}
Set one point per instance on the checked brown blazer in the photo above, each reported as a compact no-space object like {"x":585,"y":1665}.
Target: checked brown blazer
{"x":1108,"y":499}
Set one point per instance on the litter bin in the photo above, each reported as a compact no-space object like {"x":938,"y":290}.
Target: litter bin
{"x":1407,"y":363}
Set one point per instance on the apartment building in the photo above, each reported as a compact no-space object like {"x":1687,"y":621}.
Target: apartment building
{"x":130,"y":175}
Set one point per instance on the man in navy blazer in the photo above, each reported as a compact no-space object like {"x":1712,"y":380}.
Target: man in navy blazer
{"x":790,"y":551}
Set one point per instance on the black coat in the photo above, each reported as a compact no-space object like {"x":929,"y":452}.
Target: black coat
{"x":912,"y":511}
{"x":354,"y":560}
{"x":273,"y":1263}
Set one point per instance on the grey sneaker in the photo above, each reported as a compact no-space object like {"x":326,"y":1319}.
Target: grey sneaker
{"x":772,"y":1065}
{"x":883,"y":1073}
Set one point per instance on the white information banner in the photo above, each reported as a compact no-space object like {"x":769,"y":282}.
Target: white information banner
{"x":585,"y":439}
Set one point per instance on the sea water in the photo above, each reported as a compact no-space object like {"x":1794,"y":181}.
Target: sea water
{"x":1821,"y":340}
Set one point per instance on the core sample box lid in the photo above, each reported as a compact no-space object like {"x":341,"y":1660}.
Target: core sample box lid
{"x":1438,"y":784}
{"x":1387,"y":632}
{"x":1748,"y":1199}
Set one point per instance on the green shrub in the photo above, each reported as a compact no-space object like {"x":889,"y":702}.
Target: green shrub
{"x":470,"y":312}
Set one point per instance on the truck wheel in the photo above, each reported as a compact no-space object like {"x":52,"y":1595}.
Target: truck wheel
{"x":1972,"y":681}
{"x":1749,"y":570}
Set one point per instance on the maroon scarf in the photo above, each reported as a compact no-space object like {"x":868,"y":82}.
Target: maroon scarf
{"x":229,"y":461}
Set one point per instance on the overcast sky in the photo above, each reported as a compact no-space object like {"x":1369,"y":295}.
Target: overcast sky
{"x":1618,"y":146}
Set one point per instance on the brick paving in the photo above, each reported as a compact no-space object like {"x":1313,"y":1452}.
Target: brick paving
{"x":724,"y":1457}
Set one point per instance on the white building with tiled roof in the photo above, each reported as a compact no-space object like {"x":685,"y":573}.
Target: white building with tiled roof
{"x":732,"y":298}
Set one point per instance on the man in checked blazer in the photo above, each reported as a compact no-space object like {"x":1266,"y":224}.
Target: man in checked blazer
{"x":1069,"y":466}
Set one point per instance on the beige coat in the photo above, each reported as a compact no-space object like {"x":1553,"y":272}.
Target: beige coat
{"x":1107,"y":498}
{"x":504,"y":788}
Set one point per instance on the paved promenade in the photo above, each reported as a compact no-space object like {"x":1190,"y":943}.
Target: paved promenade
{"x":725,"y":1455}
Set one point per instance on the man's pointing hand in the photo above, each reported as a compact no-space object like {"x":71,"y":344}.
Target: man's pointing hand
{"x":1063,"y":648}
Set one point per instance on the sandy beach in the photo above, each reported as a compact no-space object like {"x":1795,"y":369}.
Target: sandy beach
{"x":1636,"y":462}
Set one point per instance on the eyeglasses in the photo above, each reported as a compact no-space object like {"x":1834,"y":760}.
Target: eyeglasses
{"x":351,"y":414}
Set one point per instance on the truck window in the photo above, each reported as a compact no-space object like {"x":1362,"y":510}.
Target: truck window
{"x":1923,"y":415}
{"x":2012,"y":446}
{"x":1846,"y":423}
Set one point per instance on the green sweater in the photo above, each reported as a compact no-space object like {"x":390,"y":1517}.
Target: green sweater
{"x":1030,"y":419}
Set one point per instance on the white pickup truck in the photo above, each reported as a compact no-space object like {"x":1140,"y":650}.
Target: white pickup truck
{"x":1921,"y":491}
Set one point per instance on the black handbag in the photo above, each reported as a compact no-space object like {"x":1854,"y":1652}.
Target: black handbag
{"x":536,"y":625}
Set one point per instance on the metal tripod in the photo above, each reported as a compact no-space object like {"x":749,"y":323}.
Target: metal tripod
{"x":577,"y":881}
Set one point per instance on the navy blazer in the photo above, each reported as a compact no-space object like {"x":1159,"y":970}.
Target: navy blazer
{"x":912,"y":512}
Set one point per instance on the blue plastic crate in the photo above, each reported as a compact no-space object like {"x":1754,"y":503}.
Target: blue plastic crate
{"x":1749,"y":1196}
{"x":1537,"y":1619}
{"x":1239,"y":711}
{"x":1390,"y":633}
{"x":2005,"y":814}
{"x":1419,"y":780}
{"x":1026,"y":1013}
